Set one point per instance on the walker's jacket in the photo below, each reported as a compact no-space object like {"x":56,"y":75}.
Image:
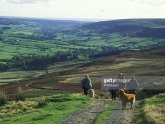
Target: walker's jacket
{"x":86,"y":83}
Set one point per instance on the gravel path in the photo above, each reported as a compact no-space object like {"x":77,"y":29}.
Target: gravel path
{"x":119,"y":116}
{"x":88,"y":115}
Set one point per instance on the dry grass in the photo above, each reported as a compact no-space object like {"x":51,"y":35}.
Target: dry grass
{"x":155,"y":114}
{"x":152,"y":110}
{"x":16,"y":107}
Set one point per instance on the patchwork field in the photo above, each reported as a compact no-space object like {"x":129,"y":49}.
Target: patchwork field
{"x":25,"y":42}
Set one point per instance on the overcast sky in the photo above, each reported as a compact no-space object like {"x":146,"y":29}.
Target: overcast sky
{"x":84,"y":9}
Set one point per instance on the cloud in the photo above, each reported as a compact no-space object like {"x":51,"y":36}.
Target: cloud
{"x":97,"y":9}
{"x":25,"y":1}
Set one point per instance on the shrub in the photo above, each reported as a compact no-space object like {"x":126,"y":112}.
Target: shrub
{"x":3,"y":98}
{"x":20,"y":96}
{"x":22,"y":106}
{"x":42,"y":101}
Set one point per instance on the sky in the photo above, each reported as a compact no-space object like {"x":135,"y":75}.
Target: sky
{"x":84,"y":9}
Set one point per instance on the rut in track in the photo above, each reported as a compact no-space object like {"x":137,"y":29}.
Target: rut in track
{"x":88,"y":115}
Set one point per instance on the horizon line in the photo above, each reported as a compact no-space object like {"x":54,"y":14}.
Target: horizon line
{"x":75,"y":19}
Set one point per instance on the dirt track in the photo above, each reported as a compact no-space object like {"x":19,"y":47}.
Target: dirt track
{"x":119,"y":116}
{"x":89,"y":114}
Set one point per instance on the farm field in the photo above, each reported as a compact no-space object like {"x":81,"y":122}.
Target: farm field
{"x":24,"y":42}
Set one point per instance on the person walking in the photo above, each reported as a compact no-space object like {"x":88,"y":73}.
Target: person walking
{"x":113,"y":88}
{"x":86,"y":84}
{"x":132,"y":86}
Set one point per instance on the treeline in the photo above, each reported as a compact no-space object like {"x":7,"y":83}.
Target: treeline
{"x":34,"y":62}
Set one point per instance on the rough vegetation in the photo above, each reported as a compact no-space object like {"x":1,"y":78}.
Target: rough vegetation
{"x":152,"y":110}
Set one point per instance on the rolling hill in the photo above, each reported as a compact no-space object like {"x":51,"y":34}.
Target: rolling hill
{"x":31,"y":44}
{"x":154,"y":28}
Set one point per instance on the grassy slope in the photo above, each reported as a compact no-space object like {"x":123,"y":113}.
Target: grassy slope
{"x":60,"y":106}
{"x":152,"y":110}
